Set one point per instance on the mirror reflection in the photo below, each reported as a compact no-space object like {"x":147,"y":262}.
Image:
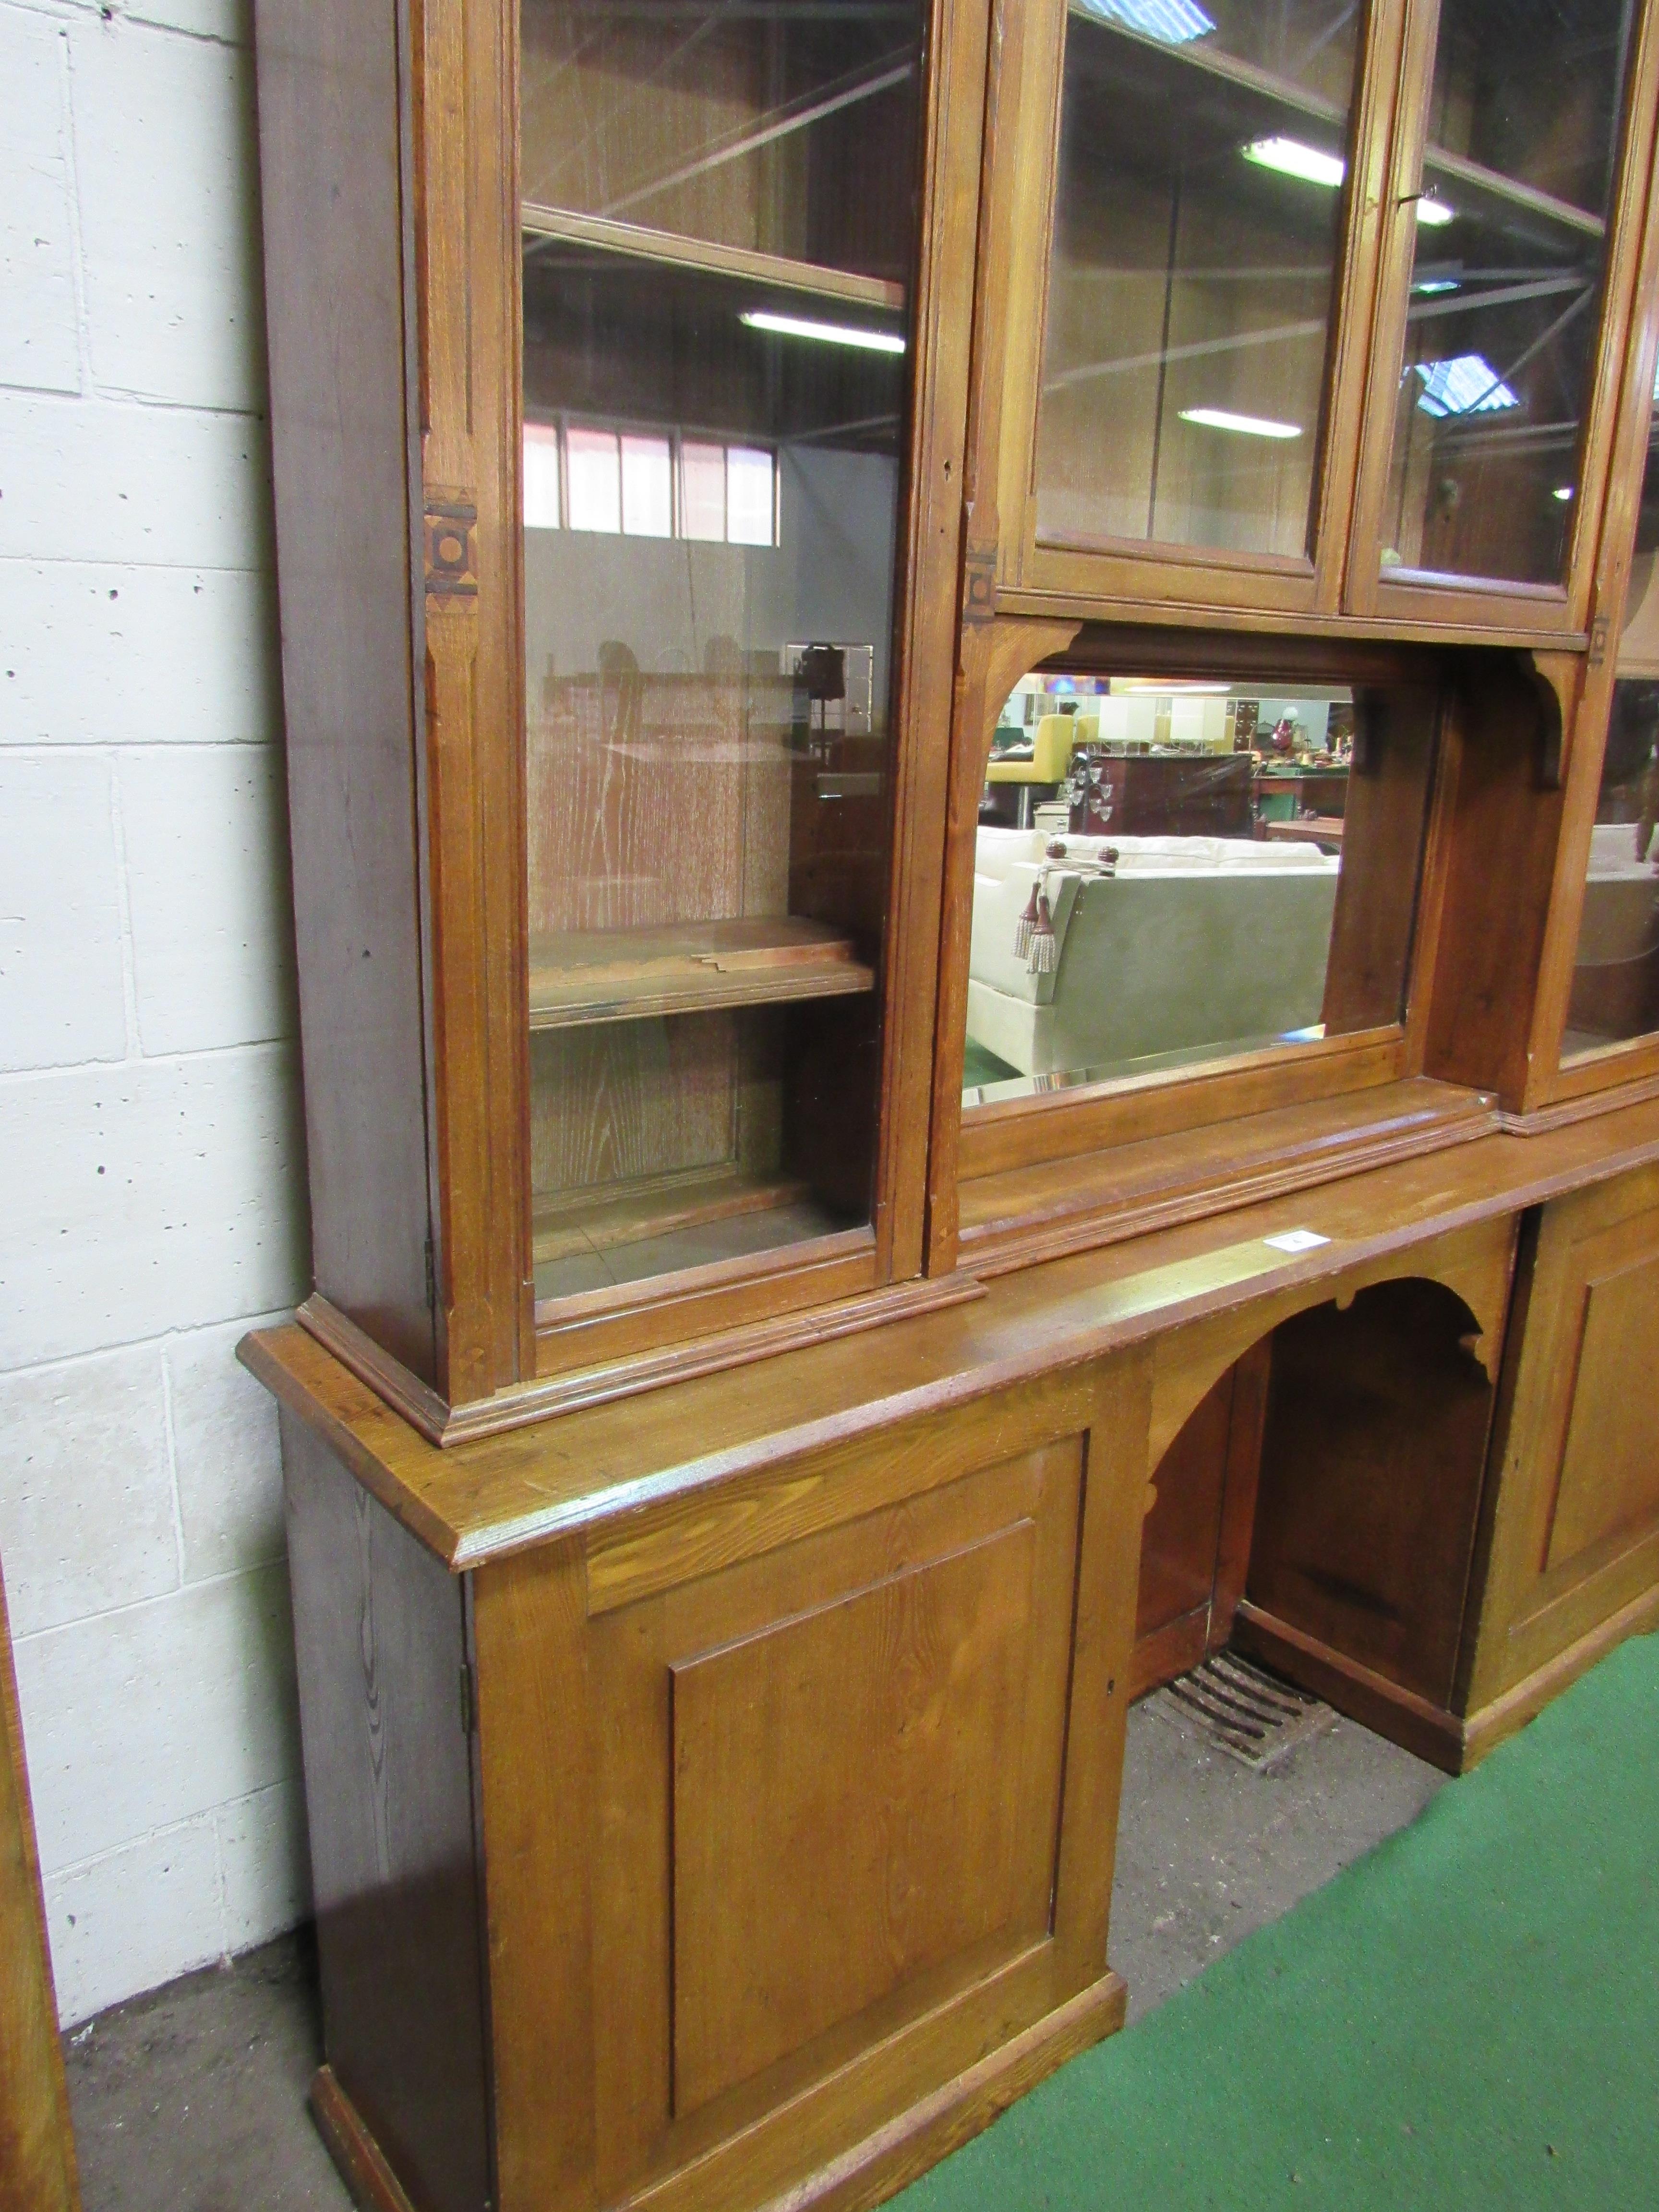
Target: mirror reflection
{"x":1171,"y":871}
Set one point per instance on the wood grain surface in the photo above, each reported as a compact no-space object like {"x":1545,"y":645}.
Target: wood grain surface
{"x":36,"y":2144}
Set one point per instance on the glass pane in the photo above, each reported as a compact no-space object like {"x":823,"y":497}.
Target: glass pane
{"x":786,"y":129}
{"x":541,"y":477}
{"x":1169,"y":871}
{"x":1197,"y":230}
{"x":1615,"y":979}
{"x":708,"y":638}
{"x":1506,"y":286}
{"x":647,"y":504}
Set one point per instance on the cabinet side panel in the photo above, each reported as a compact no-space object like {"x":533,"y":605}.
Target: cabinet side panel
{"x":378,"y":1623}
{"x":334,"y":241}
{"x":37,"y":2148}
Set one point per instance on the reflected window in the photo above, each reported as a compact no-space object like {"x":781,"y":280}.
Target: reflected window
{"x":1197,"y":229}
{"x":1171,"y":871}
{"x":1505,"y":301}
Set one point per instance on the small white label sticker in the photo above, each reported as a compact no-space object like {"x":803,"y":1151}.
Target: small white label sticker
{"x":1297,"y":1240}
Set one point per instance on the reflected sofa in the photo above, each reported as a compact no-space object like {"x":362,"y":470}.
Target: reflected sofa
{"x":1193,"y":941}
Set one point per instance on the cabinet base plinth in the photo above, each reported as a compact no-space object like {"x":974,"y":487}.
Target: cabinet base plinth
{"x":868,"y":2174}
{"x":361,"y":2162}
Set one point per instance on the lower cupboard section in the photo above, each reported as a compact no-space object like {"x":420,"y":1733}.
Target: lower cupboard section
{"x":792,"y":1813}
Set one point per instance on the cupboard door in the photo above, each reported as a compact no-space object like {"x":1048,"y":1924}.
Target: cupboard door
{"x":799,"y":1797}
{"x":1575,"y":1533}
{"x":1201,"y":184}
{"x":720,"y":226}
{"x":1515,"y":206}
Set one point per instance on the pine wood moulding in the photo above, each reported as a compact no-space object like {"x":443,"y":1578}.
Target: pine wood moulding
{"x":626,"y":975}
{"x":710,"y":259}
{"x":1041,"y":1326}
{"x":1038,"y":1212}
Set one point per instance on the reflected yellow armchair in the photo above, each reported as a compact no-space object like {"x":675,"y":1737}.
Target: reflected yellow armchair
{"x":1050,"y":761}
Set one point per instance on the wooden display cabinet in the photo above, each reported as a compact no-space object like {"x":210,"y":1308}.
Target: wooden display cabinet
{"x":1270,"y":238}
{"x":734,"y":1486}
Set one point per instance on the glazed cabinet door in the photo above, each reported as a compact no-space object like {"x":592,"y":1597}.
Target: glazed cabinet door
{"x":723,"y":258}
{"x":1597,"y":1023}
{"x":799,"y":1800}
{"x":1574,"y":1539}
{"x":1182,"y":242}
{"x":1513,"y":207}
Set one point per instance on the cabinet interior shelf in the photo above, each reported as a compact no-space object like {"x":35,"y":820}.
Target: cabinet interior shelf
{"x":589,"y":1222}
{"x":1493,"y":184}
{"x":606,"y":975}
{"x":710,"y":259}
{"x":1227,"y":68}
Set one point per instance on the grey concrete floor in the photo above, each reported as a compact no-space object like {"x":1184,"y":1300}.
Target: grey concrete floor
{"x":193,"y":2099}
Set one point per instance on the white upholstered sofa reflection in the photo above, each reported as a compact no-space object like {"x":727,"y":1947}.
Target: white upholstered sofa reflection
{"x":1190,"y":943}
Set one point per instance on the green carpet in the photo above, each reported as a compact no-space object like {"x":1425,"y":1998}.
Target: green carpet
{"x":1469,"y":2016}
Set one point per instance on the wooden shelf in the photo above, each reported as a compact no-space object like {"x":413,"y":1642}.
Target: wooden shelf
{"x":672,"y":249}
{"x":1493,"y":184}
{"x":1224,"y":68}
{"x":600,"y":1221}
{"x":625,"y":975}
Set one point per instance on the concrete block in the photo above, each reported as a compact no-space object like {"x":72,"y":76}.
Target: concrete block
{"x":105,"y":480}
{"x":140,"y":1719}
{"x":166,"y":170}
{"x":204,"y":833}
{"x":119,"y":655}
{"x":226,"y":1456}
{"x":86,"y":1488}
{"x":230,"y":20}
{"x":267,"y":1865}
{"x":39,"y":334}
{"x":61,"y":994}
{"x":134,"y":1919}
{"x":159,"y":1195}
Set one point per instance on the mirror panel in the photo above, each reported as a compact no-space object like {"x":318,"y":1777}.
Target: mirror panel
{"x":1170,"y":872}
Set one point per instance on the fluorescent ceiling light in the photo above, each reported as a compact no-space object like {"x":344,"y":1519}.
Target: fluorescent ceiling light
{"x":1465,"y":385}
{"x":1291,"y":158}
{"x":793,"y":326}
{"x":1171,"y":23}
{"x":1248,"y":426}
{"x":1563,"y":491}
{"x":1435,"y":215}
{"x":1427,"y":287}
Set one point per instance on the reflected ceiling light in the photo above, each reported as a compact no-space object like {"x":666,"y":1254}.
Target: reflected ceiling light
{"x":1563,"y":491}
{"x":1248,"y":426}
{"x":1291,"y":158}
{"x":1464,"y":386}
{"x":1171,"y":23}
{"x":794,"y":326}
{"x":1427,"y":287}
{"x":1435,"y":215}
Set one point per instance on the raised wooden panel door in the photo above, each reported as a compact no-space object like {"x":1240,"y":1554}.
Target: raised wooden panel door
{"x":841,"y":1817}
{"x":1575,"y":1518}
{"x":1610,"y":1470}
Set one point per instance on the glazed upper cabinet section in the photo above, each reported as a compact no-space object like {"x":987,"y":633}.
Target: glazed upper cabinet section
{"x":719,"y":218}
{"x":1309,"y":306}
{"x":1509,"y":255}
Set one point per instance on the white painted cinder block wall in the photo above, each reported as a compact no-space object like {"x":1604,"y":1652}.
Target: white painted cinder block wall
{"x":151,"y":1150}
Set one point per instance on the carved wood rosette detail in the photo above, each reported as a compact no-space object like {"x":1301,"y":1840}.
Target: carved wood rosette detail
{"x":450,"y":537}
